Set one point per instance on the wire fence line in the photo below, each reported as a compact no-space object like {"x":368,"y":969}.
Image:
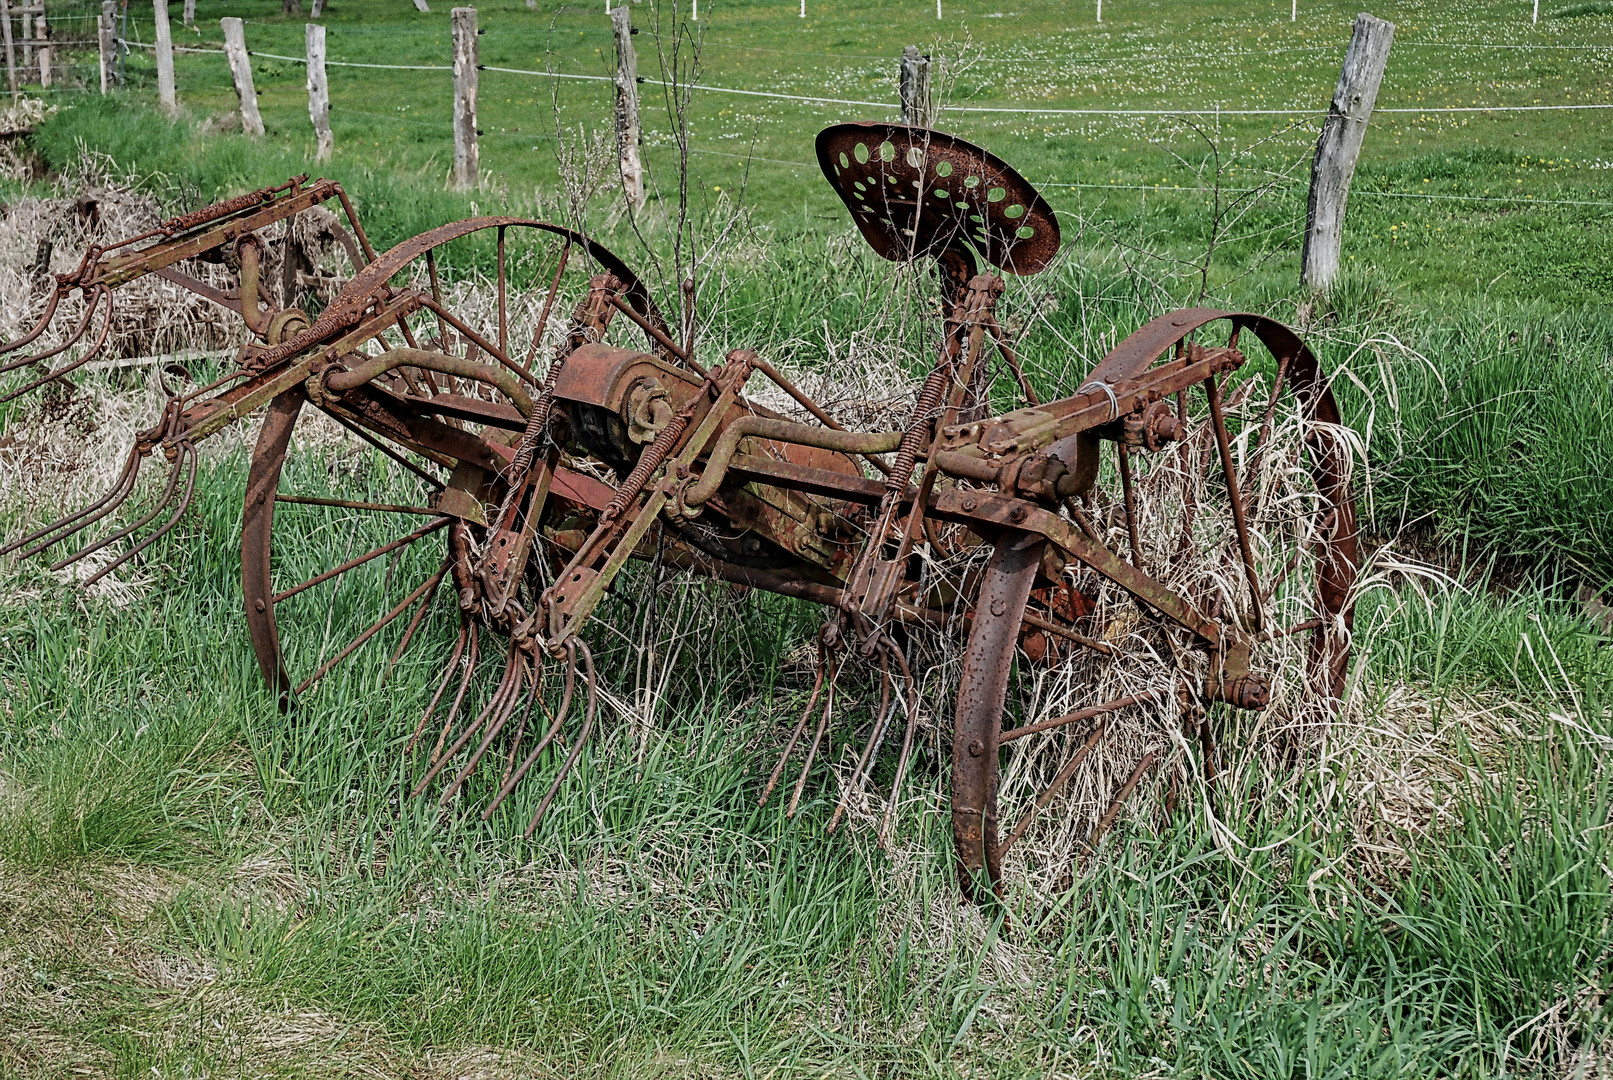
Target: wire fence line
{"x":1296,"y":114}
{"x":1021,"y":109}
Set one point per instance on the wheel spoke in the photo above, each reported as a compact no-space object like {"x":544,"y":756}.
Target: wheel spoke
{"x":1218,"y":421}
{"x":1053,"y":789}
{"x":385,"y":449}
{"x":350,"y":504}
{"x":375,"y":628}
{"x":503,"y":305}
{"x":360,"y":560}
{"x":1076,"y":717}
{"x":548,"y":306}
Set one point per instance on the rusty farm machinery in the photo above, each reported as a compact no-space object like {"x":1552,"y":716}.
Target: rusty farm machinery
{"x":545,"y":479}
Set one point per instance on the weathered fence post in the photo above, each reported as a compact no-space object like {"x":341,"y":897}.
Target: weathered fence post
{"x":422,"y":6}
{"x":241,"y":72}
{"x":11,"y":56}
{"x":318,"y":92}
{"x":1338,"y":147}
{"x":318,"y":10}
{"x":627,"y":126}
{"x":28,"y":41}
{"x":43,"y":30}
{"x":291,"y":7}
{"x":106,"y":38}
{"x":190,"y":12}
{"x":165,"y":58}
{"x":918,"y":107}
{"x":465,"y":79}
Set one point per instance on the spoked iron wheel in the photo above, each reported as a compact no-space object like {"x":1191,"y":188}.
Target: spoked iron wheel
{"x":410,"y":516}
{"x":1236,"y":496}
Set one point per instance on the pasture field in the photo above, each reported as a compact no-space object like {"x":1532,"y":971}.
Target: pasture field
{"x":192,"y":884}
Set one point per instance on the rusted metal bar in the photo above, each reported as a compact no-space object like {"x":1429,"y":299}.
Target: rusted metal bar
{"x":1075,"y":718}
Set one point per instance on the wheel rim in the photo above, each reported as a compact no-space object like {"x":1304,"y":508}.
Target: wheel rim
{"x":1007,"y":589}
{"x":577,"y":258}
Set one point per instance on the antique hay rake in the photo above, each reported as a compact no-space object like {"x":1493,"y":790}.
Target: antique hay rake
{"x":543,"y":486}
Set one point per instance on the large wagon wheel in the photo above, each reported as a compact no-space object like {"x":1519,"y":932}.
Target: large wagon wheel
{"x":1290,"y":564}
{"x":396,"y":517}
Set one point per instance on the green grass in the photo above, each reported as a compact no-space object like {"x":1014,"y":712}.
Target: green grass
{"x":661,"y":922}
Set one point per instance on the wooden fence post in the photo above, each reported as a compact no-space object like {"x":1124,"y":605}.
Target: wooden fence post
{"x":241,"y":72}
{"x":190,"y":12}
{"x":1338,"y":147}
{"x":318,"y":10}
{"x":627,"y":125}
{"x":918,"y":107}
{"x":11,"y":55}
{"x":465,"y":79}
{"x":106,"y":37}
{"x":318,"y":92}
{"x":165,"y":58}
{"x":43,"y":30}
{"x":28,"y":41}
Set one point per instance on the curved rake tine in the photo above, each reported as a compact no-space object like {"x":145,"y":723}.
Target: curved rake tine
{"x":907,"y":742}
{"x":494,"y":705}
{"x":442,"y":687}
{"x":459,"y":695}
{"x":39,"y":327}
{"x":548,"y":305}
{"x":875,"y":737}
{"x":817,"y":741}
{"x":502,"y":717}
{"x":556,"y":720}
{"x":375,"y":628}
{"x":795,"y":736}
{"x":520,"y":727}
{"x":91,"y":354}
{"x":1054,"y":788}
{"x":114,"y":496}
{"x":162,"y":500}
{"x":576,"y":747}
{"x":72,"y":339}
{"x":164,"y":530}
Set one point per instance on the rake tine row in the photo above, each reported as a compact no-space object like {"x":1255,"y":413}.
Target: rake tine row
{"x":466,"y":628}
{"x":62,"y":528}
{"x":501,"y":717}
{"x":875,"y":738}
{"x":67,"y":369}
{"x":907,"y":742}
{"x":495,"y":705}
{"x":589,"y":713}
{"x":186,"y":450}
{"x":558,"y":718}
{"x":183,"y":457}
{"x":42,"y":539}
{"x":39,"y":327}
{"x":72,"y":338}
{"x":817,"y":741}
{"x":459,"y":696}
{"x":800,"y":726}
